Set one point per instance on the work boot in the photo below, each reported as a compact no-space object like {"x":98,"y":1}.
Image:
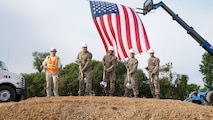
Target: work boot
{"x":154,"y":96}
{"x":80,"y":94}
{"x":136,"y":96}
{"x":126,"y":95}
{"x":157,"y":96}
{"x":107,"y":93}
{"x":87,"y":94}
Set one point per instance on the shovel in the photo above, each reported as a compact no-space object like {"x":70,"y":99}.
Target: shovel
{"x":128,"y":85}
{"x":102,"y":83}
{"x":82,"y":76}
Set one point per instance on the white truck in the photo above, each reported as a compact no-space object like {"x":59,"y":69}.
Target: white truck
{"x":12,"y":86}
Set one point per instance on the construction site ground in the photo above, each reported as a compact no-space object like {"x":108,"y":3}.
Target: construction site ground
{"x":103,"y":108}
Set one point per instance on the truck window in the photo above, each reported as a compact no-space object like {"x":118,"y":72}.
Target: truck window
{"x":3,"y":66}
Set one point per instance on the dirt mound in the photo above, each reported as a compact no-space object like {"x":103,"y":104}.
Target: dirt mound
{"x":102,"y":108}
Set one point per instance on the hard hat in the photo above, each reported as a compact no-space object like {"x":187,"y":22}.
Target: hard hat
{"x":129,"y":86}
{"x":84,"y":45}
{"x":151,"y":51}
{"x":131,"y":51}
{"x":103,"y":84}
{"x":53,"y":50}
{"x":111,"y":48}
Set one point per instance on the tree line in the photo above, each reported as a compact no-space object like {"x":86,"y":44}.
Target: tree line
{"x":172,"y":84}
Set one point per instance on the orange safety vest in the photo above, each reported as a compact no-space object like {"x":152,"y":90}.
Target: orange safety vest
{"x":52,"y":64}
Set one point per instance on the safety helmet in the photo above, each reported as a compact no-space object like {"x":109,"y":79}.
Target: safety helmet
{"x":111,"y":48}
{"x":129,"y":86}
{"x":103,"y":84}
{"x":53,"y":50}
{"x":151,"y":51}
{"x":131,"y":51}
{"x":84,"y":45}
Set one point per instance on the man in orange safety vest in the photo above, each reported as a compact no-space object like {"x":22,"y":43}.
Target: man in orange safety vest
{"x":52,"y":65}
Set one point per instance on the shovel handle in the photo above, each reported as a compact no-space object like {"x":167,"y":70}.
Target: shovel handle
{"x":128,"y":77}
{"x":104,"y":72}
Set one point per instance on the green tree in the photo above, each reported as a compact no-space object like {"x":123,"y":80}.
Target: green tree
{"x":35,"y":84}
{"x":173,"y":85}
{"x":180,"y":87}
{"x":143,"y":85}
{"x":166,"y":77}
{"x":97,"y":77}
{"x":120,"y":77}
{"x":38,"y":59}
{"x":206,"y":68}
{"x":68,"y":80}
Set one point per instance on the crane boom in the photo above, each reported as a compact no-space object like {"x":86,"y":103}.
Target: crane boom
{"x":148,"y":6}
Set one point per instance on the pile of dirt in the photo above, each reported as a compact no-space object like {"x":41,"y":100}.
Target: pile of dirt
{"x":103,"y":108}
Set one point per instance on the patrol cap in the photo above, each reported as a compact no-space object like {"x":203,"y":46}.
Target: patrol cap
{"x":131,"y":51}
{"x":111,"y":48}
{"x":151,"y":51}
{"x":53,"y":50}
{"x":83,"y":45}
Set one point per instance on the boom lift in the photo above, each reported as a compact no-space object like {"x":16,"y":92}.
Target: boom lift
{"x":148,"y":6}
{"x":205,"y":98}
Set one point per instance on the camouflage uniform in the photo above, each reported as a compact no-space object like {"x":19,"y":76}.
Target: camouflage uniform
{"x":153,"y":69}
{"x":110,"y":62}
{"x":132,"y":65}
{"x":84,"y":61}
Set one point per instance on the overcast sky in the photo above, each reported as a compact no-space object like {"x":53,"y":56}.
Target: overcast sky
{"x":27,"y":26}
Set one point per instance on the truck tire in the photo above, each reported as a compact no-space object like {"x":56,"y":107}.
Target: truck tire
{"x":209,"y":98}
{"x":192,"y":93}
{"x":7,"y":93}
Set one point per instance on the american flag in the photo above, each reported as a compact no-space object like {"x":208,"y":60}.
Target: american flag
{"x":119,"y":26}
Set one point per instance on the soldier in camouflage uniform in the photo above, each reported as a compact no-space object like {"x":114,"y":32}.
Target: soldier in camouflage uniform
{"x":132,"y":65}
{"x":85,"y":66}
{"x":110,"y":61}
{"x":153,"y":70}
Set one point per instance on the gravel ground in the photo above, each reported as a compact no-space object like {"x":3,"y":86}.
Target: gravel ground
{"x":103,"y":108}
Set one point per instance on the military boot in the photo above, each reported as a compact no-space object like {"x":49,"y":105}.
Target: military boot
{"x":107,"y":92}
{"x":157,"y":96}
{"x":135,"y":96}
{"x":80,"y":94}
{"x":126,"y":95}
{"x":154,"y":96}
{"x":87,"y":94}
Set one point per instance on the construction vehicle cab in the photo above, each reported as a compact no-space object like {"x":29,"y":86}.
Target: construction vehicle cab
{"x":12,"y":86}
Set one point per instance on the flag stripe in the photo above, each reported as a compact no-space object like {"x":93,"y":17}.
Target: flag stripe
{"x":120,"y":35}
{"x":113,"y":34}
{"x":146,"y":38}
{"x":132,"y":27}
{"x":104,"y":30}
{"x":101,"y":35}
{"x":137,"y":32}
{"x":128,"y":37}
